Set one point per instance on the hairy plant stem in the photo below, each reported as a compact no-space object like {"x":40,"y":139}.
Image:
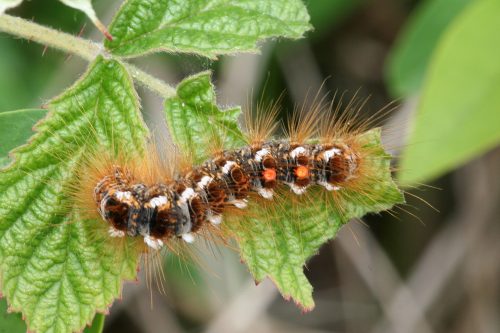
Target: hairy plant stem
{"x":83,"y":48}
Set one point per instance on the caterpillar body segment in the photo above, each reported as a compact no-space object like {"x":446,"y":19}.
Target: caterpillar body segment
{"x":181,"y":207}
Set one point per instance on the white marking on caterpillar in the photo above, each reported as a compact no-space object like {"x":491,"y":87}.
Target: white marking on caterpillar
{"x":330,"y":153}
{"x":329,"y":187}
{"x":298,"y":151}
{"x":188,"y":237}
{"x":228,"y":166}
{"x":214,"y":219}
{"x":239,"y":203}
{"x":188,"y":194}
{"x":260,"y":154}
{"x":297,"y":189}
{"x":154,"y":243}
{"x":265,"y":193}
{"x":158,"y":201}
{"x":205,"y":180}
{"x":115,"y":232}
{"x":120,"y":195}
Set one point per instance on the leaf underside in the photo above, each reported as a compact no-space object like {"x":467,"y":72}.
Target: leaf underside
{"x":204,"y":27}
{"x":56,"y":268}
{"x":276,"y":240}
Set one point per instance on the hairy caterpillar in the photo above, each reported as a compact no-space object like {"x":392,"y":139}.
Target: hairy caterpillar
{"x":321,"y":150}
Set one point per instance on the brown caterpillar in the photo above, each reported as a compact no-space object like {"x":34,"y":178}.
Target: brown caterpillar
{"x":321,"y":151}
{"x":183,"y":206}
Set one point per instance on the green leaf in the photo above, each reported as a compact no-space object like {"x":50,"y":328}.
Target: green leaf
{"x":194,"y":120}
{"x":10,"y":322}
{"x":7,"y":4}
{"x":458,"y":116}
{"x":204,"y":27}
{"x":97,"y":324}
{"x":277,"y":243}
{"x":56,"y":268}
{"x":15,"y":129}
{"x":410,"y":57}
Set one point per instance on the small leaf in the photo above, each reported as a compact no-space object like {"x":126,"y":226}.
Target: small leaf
{"x":86,"y":7}
{"x":458,"y":116}
{"x":55,"y":267}
{"x":15,"y":129}
{"x":279,"y":242}
{"x":205,"y":27}
{"x":194,"y":119}
{"x":410,"y":57}
{"x":7,"y":4}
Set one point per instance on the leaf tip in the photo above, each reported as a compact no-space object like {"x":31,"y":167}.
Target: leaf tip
{"x":305,"y":305}
{"x":305,"y":308}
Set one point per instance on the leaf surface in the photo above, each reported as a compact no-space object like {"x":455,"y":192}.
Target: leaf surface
{"x":276,"y":243}
{"x":56,"y":267}
{"x":204,"y":27}
{"x":458,"y":117}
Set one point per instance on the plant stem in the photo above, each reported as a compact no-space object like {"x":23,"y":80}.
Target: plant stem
{"x":17,"y":26}
{"x":84,"y":48}
{"x":151,"y":82}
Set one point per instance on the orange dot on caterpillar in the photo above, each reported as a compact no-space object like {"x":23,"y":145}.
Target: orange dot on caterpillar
{"x":269,"y":175}
{"x":302,"y":172}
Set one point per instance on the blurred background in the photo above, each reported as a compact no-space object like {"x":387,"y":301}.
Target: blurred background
{"x":417,"y":271}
